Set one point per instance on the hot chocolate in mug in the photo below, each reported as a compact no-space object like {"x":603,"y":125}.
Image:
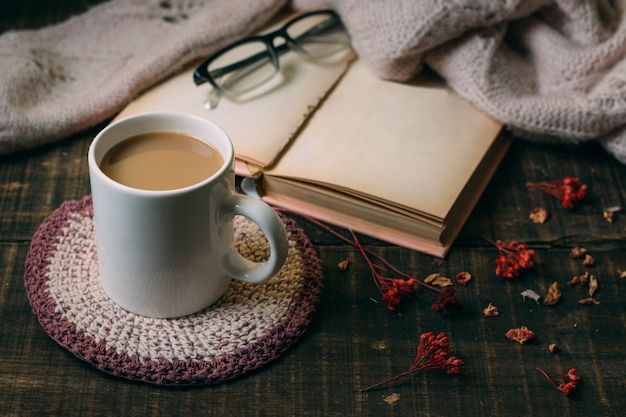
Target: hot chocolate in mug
{"x":163,"y":195}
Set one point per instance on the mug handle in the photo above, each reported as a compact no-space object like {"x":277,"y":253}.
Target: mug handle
{"x":273,"y":228}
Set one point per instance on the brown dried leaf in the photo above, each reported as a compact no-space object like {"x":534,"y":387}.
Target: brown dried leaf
{"x":439,"y":280}
{"x":589,"y":300}
{"x":521,"y":334}
{"x":553,"y":296}
{"x":463,"y":278}
{"x":538,"y":215}
{"x":589,"y":261}
{"x":343,"y":265}
{"x":491,"y":311}
{"x":609,"y":213}
{"x":575,"y":280}
{"x":593,"y":285}
{"x":391,"y":399}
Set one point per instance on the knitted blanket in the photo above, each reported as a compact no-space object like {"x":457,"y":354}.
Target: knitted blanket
{"x":551,"y":70}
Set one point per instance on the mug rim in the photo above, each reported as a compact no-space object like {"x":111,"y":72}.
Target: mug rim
{"x":94,"y":165}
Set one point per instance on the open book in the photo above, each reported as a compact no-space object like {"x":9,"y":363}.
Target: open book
{"x":404,"y":163}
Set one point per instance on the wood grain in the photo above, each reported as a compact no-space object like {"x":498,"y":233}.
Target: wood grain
{"x":353,"y":340}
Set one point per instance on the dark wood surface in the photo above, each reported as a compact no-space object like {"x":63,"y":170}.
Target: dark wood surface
{"x":353,"y":340}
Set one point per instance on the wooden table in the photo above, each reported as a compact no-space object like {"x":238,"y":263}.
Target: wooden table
{"x":353,"y":340}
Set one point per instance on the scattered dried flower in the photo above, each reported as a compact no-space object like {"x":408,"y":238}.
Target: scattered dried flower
{"x":553,"y":348}
{"x":520,"y":335}
{"x":491,"y":311}
{"x":438,"y":280}
{"x":463,"y":278}
{"x":577,"y":252}
{"x":593,"y":285}
{"x":394,"y":290}
{"x":530,"y":294}
{"x":569,"y":190}
{"x":432,"y":352}
{"x":565,"y":387}
{"x":588,"y":300}
{"x":589,"y":261}
{"x":446,"y":301}
{"x":343,"y":265}
{"x":585,"y":279}
{"x":538,"y":215}
{"x":513,"y":257}
{"x":553,"y":296}
{"x":579,"y":279}
{"x":609,"y":213}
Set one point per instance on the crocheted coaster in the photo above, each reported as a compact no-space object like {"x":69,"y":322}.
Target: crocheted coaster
{"x":251,"y":325}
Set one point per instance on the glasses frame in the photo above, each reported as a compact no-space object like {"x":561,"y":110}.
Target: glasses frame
{"x":202,"y":75}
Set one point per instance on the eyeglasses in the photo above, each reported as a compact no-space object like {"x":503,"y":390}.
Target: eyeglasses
{"x":244,"y":66}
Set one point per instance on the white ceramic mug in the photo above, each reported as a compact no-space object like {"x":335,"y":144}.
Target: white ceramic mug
{"x":171,"y":253}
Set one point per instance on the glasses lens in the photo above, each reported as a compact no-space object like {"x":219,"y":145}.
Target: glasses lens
{"x":242,"y":68}
{"x":319,"y":35}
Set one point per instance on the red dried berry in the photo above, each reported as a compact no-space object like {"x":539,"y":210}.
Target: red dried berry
{"x":432,"y":352}
{"x":569,"y":190}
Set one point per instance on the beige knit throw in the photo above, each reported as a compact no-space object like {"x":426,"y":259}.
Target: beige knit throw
{"x":549,"y":70}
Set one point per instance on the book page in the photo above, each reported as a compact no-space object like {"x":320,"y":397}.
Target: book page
{"x":413,"y":145}
{"x":259,"y":127}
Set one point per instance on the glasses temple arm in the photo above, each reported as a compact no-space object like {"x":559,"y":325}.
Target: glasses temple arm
{"x":280,"y":49}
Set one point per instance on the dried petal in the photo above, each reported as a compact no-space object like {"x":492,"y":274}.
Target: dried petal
{"x":439,"y":280}
{"x":609,"y":213}
{"x":463,"y":278}
{"x":593,"y":285}
{"x":589,"y":261}
{"x":391,"y":399}
{"x":491,"y":311}
{"x":553,"y":348}
{"x":621,"y":273}
{"x":565,"y":387}
{"x":589,"y":300}
{"x":553,"y":296}
{"x":580,"y":279}
{"x":530,"y":294}
{"x":575,"y":280}
{"x":584,"y":278}
{"x":538,"y":215}
{"x":343,"y":265}
{"x":520,"y":335}
{"x":577,"y":252}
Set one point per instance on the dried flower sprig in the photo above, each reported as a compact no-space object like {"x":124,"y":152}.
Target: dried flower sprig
{"x":569,"y":190}
{"x":513,"y":257}
{"x":394,"y":290}
{"x":432,"y":352}
{"x":446,"y":301}
{"x":570,"y":380}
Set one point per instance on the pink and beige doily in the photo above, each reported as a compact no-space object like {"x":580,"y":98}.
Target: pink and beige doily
{"x":250,"y":326}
